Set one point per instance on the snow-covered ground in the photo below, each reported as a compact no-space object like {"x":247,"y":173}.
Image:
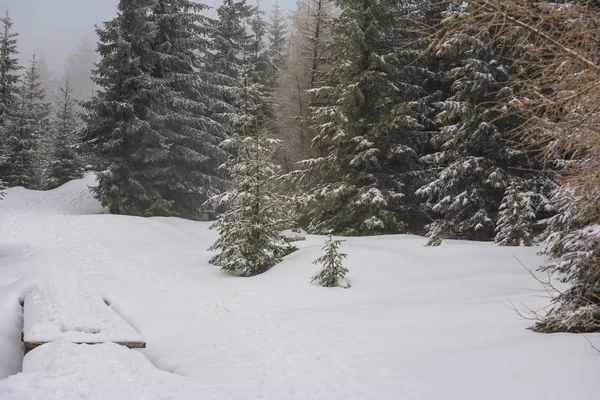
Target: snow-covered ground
{"x":418,"y":323}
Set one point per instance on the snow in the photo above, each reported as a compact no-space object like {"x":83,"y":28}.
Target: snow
{"x":65,"y":370}
{"x":418,"y":323}
{"x":54,"y":311}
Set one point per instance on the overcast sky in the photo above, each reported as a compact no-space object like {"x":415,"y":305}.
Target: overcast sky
{"x":54,"y":28}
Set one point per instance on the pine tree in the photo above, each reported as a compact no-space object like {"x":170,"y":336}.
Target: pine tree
{"x":276,"y":37}
{"x":65,"y":163}
{"x":225,"y":58}
{"x":250,"y":240}
{"x":190,"y":175}
{"x":367,"y":127}
{"x":333,"y":272}
{"x":24,"y":132}
{"x":238,"y":48}
{"x":515,"y":217}
{"x":2,"y":187}
{"x":156,"y":148}
{"x":261,"y":69}
{"x":9,"y":69}
{"x":478,"y":156}
{"x":118,"y":134}
{"x":317,"y":31}
{"x":49,"y":87}
{"x":9,"y":78}
{"x":573,"y":246}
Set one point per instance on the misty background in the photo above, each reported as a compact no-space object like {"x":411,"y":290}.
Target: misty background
{"x":54,"y":28}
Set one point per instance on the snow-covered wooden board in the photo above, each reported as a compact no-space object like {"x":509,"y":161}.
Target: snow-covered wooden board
{"x":71,"y":314}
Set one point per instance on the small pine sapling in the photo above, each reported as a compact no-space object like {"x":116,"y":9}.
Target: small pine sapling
{"x":515,"y":218}
{"x":333,"y":272}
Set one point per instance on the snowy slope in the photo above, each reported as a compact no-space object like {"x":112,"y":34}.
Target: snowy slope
{"x":418,"y":323}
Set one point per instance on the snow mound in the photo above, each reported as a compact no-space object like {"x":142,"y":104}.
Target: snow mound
{"x":69,"y":313}
{"x":72,"y":198}
{"x":65,"y":371}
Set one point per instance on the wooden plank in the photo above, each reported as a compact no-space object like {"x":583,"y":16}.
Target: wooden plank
{"x":132,"y":345}
{"x":52,"y":315}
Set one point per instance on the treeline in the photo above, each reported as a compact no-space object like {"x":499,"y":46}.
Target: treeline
{"x":365,"y":117}
{"x":39,"y":117}
{"x":468,"y":119}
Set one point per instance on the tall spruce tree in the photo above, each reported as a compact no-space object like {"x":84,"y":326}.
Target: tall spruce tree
{"x":366,"y":125}
{"x":260,"y":68}
{"x":24,"y":132}
{"x":229,"y":35}
{"x":478,"y":155}
{"x":190,"y":174}
{"x":148,"y":129}
{"x":9,"y":78}
{"x":49,"y":86}
{"x":9,"y":68}
{"x":317,"y":30}
{"x":250,"y":240}
{"x":277,"y":37}
{"x":64,"y":164}
{"x":119,"y":134}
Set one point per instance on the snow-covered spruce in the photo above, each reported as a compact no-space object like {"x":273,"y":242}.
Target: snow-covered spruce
{"x":118,"y":135}
{"x":573,"y":245}
{"x":367,"y":127}
{"x":276,"y":35}
{"x":250,"y":240}
{"x":333,"y":272}
{"x":191,"y":174}
{"x":260,"y":68}
{"x":477,"y":155}
{"x":23,"y":132}
{"x":515,"y":217}
{"x":65,"y":164}
{"x":238,"y":52}
{"x":9,"y":69}
{"x":9,"y":77}
{"x":228,"y":42}
{"x":155,"y":147}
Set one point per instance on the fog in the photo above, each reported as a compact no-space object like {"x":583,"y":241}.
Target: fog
{"x":53,"y":28}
